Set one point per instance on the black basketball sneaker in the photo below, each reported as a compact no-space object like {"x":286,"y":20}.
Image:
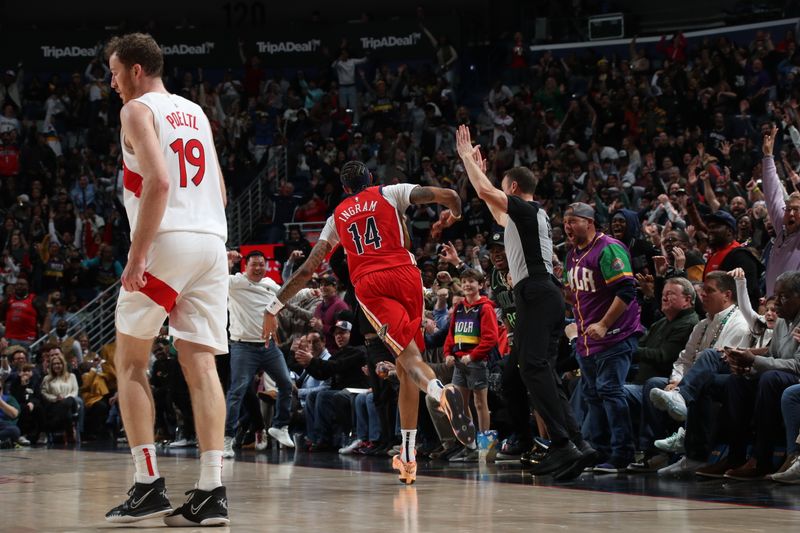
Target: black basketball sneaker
{"x":201,"y":509}
{"x":145,"y":500}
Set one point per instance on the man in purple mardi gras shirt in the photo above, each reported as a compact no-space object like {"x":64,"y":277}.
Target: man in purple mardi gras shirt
{"x":600,"y":286}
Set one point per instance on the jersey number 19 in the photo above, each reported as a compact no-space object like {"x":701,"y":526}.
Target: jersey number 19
{"x":186,"y":153}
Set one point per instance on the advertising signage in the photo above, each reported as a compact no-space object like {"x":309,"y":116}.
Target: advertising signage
{"x":277,"y":46}
{"x":74,"y":50}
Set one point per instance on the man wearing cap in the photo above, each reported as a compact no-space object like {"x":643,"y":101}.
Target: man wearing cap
{"x":785,"y":216}
{"x":327,"y":312}
{"x":357,"y":148}
{"x":327,"y":409}
{"x":599,"y":279}
{"x":249,"y":293}
{"x":426,"y":174}
{"x":727,"y":254}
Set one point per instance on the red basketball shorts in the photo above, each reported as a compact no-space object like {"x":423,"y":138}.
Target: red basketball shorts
{"x":393,"y":302}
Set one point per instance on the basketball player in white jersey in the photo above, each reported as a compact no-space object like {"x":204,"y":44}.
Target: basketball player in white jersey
{"x":177,"y":267}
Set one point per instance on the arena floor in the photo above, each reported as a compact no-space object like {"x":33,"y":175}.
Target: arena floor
{"x":65,"y":490}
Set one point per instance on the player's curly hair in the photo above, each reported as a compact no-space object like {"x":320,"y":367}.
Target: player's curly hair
{"x":138,"y":49}
{"x":355,"y":176}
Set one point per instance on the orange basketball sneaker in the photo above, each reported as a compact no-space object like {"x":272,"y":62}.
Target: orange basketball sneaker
{"x":408,"y":471}
{"x":452,"y":405}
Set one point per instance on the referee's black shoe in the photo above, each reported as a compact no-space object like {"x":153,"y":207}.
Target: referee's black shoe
{"x":203,"y":508}
{"x":589,"y":457}
{"x":145,"y":500}
{"x":557,"y":458}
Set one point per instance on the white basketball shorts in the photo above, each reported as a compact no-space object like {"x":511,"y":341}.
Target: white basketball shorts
{"x":186,"y":279}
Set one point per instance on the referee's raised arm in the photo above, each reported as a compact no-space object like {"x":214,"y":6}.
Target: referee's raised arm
{"x":475,"y":166}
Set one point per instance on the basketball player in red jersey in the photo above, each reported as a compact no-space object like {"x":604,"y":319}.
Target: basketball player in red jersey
{"x":388,"y":287}
{"x":177,"y":267}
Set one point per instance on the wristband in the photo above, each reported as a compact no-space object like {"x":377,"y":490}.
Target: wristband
{"x":275,"y":307}
{"x":456,"y":217}
{"x":462,"y":266}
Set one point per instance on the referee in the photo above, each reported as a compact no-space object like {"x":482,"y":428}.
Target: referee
{"x":250,"y":293}
{"x":539,"y":303}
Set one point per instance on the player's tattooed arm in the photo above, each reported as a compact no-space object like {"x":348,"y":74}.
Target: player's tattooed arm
{"x":437,"y":195}
{"x":421,"y":195}
{"x":297,"y":281}
{"x":301,"y":276}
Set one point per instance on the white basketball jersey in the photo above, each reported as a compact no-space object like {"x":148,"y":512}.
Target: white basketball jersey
{"x":195,"y":196}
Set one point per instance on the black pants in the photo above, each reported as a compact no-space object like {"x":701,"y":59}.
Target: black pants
{"x":183,"y":402}
{"x":60,"y":413}
{"x":96,"y":415}
{"x":540,"y":323}
{"x":383,"y":393}
{"x":757,"y":400}
{"x":32,"y":423}
{"x":165,"y":412}
{"x":516,"y":397}
{"x":252,"y":407}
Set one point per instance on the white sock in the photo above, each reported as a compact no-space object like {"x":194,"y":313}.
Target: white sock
{"x":144,"y":457}
{"x":435,"y":389}
{"x":407,"y":449}
{"x":210,"y":470}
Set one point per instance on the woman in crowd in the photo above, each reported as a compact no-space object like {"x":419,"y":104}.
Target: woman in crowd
{"x":60,"y":394}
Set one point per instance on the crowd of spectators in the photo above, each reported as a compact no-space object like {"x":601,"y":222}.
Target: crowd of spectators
{"x":688,"y":157}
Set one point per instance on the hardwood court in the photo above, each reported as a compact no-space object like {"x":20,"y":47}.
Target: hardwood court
{"x":68,"y":490}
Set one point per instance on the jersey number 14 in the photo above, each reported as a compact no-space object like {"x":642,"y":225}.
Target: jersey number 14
{"x":370,"y":237}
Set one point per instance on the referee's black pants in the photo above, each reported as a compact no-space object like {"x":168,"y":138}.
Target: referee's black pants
{"x":540,"y":324}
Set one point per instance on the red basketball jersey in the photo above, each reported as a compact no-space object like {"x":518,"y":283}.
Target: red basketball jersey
{"x":21,"y":318}
{"x":369,"y":226}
